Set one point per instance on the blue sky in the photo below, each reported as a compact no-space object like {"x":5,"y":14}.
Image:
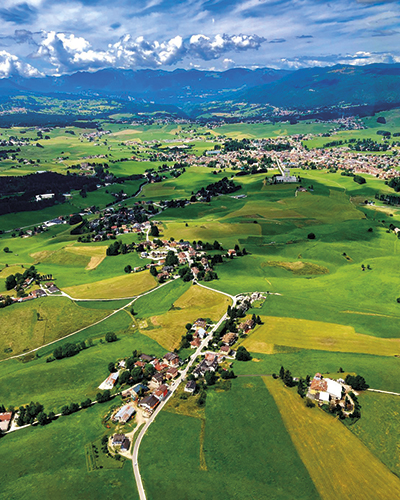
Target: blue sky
{"x":54,"y":37}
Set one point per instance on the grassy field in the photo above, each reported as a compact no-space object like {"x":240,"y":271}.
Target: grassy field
{"x":31,"y":324}
{"x":245,"y":461}
{"x":380,"y":371}
{"x":195,"y":303}
{"x":76,"y":378}
{"x":379,"y":426}
{"x":325,"y":444}
{"x":119,"y":287}
{"x":316,"y":335}
{"x":53,"y":464}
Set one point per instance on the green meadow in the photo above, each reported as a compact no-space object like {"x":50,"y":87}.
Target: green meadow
{"x":244,"y":461}
{"x":51,"y":461}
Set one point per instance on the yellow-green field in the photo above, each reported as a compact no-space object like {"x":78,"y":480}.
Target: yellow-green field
{"x":96,"y":254}
{"x":196,"y":303}
{"x":21,"y":329}
{"x":307,"y":334}
{"x":339,"y":464}
{"x":207,"y":231}
{"x":119,"y":287}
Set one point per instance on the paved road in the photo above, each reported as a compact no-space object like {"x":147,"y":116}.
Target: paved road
{"x":174,"y":387}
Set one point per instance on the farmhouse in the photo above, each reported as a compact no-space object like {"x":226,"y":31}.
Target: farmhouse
{"x":5,"y":419}
{"x":324,"y":389}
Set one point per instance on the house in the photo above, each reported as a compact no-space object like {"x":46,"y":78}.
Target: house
{"x":118,"y":439}
{"x":229,"y":338}
{"x":157,"y":378}
{"x":53,"y":289}
{"x":231,"y":253}
{"x":5,"y":419}
{"x":124,"y":414}
{"x":201,"y":332}
{"x":246,"y":325}
{"x":162,"y":392}
{"x":171,"y":373}
{"x":141,"y":364}
{"x":149,"y":403}
{"x":172,"y":359}
{"x":194,"y":344}
{"x":190,"y":386}
{"x":38,"y":293}
{"x":200,"y":323}
{"x":126,"y":444}
{"x":225,"y":350}
{"x":146,"y":358}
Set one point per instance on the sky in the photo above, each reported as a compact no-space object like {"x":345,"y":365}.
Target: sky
{"x":55,"y":37}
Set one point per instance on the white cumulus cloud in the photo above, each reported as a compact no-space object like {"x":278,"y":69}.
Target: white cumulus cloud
{"x":67,"y":52}
{"x":10,"y":65}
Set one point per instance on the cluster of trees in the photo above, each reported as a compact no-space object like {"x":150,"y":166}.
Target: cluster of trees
{"x":68,"y":350}
{"x":369,"y":145}
{"x":389,"y":199}
{"x":31,"y":185}
{"x":357,"y":382}
{"x":237,"y":145}
{"x":394,"y":184}
{"x":224,"y":186}
{"x":242,"y":354}
{"x":279,"y":146}
{"x":287,"y":377}
{"x":359,"y":179}
{"x":17,"y":280}
{"x":154,"y":231}
{"x":117,"y":248}
{"x":111,"y":337}
{"x":27,"y":414}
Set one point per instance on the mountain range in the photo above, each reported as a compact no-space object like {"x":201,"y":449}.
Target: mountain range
{"x":308,"y":90}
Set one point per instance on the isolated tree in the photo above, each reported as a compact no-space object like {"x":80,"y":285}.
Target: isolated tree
{"x":111,"y":367}
{"x":111,"y":337}
{"x":311,"y":236}
{"x":281,"y":372}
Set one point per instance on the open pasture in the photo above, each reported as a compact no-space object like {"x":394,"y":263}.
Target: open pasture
{"x":195,"y":303}
{"x":255,"y":428}
{"x":305,"y":334}
{"x":325,"y":444}
{"x":119,"y":287}
{"x":53,"y":464}
{"x":31,"y":324}
{"x":378,"y":428}
{"x":264,"y":130}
